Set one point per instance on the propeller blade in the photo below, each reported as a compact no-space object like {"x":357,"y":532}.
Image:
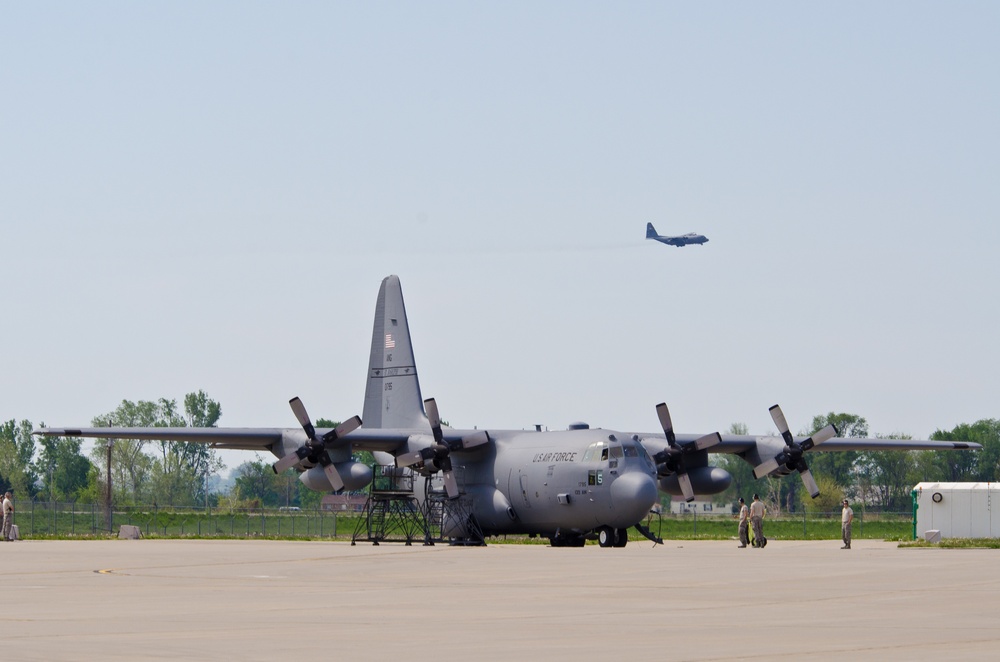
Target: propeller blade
{"x":332,"y":475}
{"x":300,"y":413}
{"x":819,"y":437}
{"x":685,"y":482}
{"x":345,"y":428}
{"x":779,"y":420}
{"x":408,"y":459}
{"x":668,"y":427}
{"x":286,"y":462}
{"x":450,"y":484}
{"x":809,"y":482}
{"x":766,"y":468}
{"x":708,"y":441}
{"x":473,"y":440}
{"x":430,"y":406}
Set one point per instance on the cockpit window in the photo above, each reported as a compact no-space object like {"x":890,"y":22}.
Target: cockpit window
{"x":596,"y":451}
{"x":616,"y":452}
{"x":631,"y":450}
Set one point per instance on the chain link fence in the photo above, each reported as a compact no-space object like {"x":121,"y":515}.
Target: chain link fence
{"x":37,"y":519}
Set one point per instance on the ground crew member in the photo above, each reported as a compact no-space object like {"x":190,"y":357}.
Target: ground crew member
{"x":744,"y":516}
{"x":8,"y":515}
{"x":757,"y":521}
{"x":846,"y":518}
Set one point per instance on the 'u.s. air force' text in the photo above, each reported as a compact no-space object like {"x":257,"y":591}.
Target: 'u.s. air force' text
{"x":555,"y":457}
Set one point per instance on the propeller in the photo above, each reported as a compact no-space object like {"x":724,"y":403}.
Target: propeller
{"x":671,"y":459}
{"x":791,"y":456}
{"x":437,"y":457}
{"x":314,"y":449}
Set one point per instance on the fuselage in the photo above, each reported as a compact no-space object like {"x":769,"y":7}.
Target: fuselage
{"x":570,"y":482}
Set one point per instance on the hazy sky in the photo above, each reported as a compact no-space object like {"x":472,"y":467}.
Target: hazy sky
{"x":207,"y":195}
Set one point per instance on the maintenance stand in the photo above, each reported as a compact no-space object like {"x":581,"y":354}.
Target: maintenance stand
{"x":392,"y":513}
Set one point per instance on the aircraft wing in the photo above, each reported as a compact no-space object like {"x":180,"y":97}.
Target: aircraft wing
{"x":251,"y":439}
{"x":738,"y":444}
{"x":256,"y":439}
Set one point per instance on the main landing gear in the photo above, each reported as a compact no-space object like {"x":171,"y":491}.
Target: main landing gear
{"x":608,"y":537}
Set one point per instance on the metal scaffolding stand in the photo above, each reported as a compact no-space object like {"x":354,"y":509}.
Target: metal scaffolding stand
{"x":452,"y":520}
{"x":392,"y":513}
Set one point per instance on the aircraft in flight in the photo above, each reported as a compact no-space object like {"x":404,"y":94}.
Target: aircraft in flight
{"x":567,"y":485}
{"x":682,"y":240}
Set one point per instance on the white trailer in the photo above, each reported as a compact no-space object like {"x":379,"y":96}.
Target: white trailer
{"x":956,"y":510}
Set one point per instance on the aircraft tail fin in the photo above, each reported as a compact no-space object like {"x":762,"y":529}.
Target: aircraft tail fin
{"x":392,"y":395}
{"x":651,"y":231}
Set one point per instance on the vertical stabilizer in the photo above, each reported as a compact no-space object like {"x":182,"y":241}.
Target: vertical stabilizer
{"x":651,"y":231}
{"x":392,"y":396}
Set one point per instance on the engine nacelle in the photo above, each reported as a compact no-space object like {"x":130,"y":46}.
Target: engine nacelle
{"x":491,"y":508}
{"x":354,"y":474}
{"x":704,"y":480}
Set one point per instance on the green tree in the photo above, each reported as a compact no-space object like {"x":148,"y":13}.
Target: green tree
{"x":839,"y":466}
{"x":828,"y":501}
{"x":982,"y":465}
{"x":17,"y":448}
{"x":178,"y":474}
{"x":883,"y":476}
{"x":62,"y":468}
{"x":255,"y":482}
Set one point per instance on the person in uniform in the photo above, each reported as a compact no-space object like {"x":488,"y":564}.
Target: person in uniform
{"x":757,"y":521}
{"x":744,"y":523}
{"x":8,"y":515}
{"x":846,"y":518}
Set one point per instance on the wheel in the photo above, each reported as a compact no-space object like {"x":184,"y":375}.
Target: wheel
{"x":621,"y":537}
{"x":606,"y":536}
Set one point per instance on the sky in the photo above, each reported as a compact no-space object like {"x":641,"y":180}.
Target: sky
{"x":207,"y":195}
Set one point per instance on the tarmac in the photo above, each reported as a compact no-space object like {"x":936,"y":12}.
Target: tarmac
{"x":685,"y":600}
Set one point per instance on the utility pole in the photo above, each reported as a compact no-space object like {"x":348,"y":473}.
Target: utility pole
{"x":107,"y":497}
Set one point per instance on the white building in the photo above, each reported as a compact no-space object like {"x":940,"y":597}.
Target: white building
{"x":957,"y":510}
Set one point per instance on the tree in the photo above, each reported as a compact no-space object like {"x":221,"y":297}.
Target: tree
{"x":839,"y":466}
{"x":62,"y":468}
{"x":883,"y":476}
{"x":17,"y":448}
{"x":983,"y":465}
{"x":830,"y":496}
{"x":179,"y":473}
{"x":255,"y":481}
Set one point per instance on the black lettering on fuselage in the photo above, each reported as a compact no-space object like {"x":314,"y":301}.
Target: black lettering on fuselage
{"x":555,"y":457}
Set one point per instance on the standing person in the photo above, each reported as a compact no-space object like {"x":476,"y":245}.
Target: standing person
{"x":8,"y":515}
{"x":757,"y":521}
{"x":846,"y":518}
{"x":744,"y":515}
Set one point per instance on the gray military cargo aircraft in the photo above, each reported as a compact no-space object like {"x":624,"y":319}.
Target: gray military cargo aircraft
{"x":682,"y":240}
{"x":569,"y":485}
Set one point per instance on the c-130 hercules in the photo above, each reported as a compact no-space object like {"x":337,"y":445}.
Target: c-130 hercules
{"x":567,"y":485}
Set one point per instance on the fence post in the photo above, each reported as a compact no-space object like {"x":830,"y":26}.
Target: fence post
{"x":804,"y":535}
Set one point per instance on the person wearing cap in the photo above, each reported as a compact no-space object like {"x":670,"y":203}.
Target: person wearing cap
{"x":757,"y":521}
{"x":846,"y":517}
{"x":744,"y":515}
{"x":8,"y":515}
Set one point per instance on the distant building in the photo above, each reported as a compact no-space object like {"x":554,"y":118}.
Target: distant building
{"x":700,"y":507}
{"x":353,"y":503}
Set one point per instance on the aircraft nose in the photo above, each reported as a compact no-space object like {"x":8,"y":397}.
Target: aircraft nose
{"x":632,"y":495}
